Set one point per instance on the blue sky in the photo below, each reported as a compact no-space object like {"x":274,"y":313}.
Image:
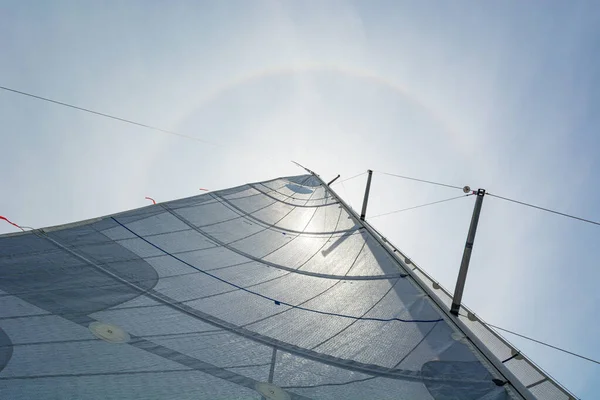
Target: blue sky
{"x":501,"y":95}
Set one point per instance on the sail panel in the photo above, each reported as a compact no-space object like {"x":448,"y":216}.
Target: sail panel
{"x":221,"y":295}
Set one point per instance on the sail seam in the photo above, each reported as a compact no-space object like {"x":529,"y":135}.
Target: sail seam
{"x":257,"y":259}
{"x":310,"y":354}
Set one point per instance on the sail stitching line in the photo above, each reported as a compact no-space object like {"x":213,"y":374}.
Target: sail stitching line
{"x":275,"y":300}
{"x":307,"y":300}
{"x":327,"y":359}
{"x":239,"y":210}
{"x":292,"y":204}
{"x":257,"y":259}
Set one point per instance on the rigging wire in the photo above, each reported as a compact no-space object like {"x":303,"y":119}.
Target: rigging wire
{"x":503,"y":198}
{"x":344,"y":186}
{"x":347,"y":179}
{"x":421,"y":180}
{"x":347,"y":196}
{"x":540,"y":342}
{"x":379,"y":215}
{"x":544,"y":209}
{"x":106,"y":115}
{"x":493,"y":195}
{"x":422,"y":205}
{"x":207,"y":142}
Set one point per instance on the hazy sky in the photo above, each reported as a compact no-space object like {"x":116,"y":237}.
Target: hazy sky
{"x":502,"y":95}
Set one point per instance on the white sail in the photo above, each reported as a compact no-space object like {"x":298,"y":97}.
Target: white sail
{"x":271,"y":290}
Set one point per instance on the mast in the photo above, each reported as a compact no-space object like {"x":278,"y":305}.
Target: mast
{"x":502,"y":370}
{"x":464,"y":265}
{"x":363,"y":213}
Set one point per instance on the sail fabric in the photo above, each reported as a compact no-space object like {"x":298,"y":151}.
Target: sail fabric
{"x":270,"y":290}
